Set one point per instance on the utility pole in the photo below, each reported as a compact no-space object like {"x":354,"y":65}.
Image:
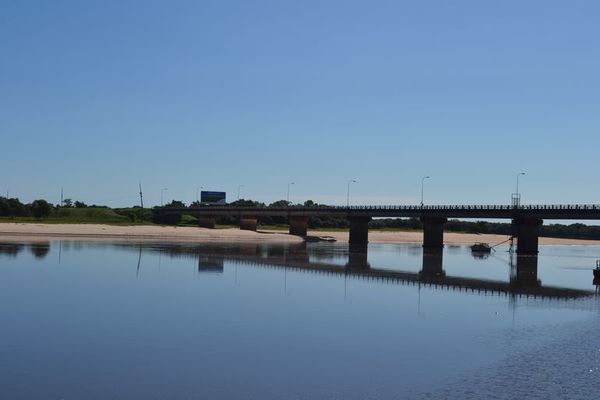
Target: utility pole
{"x":141,"y":197}
{"x":61,"y":197}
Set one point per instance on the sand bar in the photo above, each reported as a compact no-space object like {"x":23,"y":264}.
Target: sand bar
{"x":16,"y":231}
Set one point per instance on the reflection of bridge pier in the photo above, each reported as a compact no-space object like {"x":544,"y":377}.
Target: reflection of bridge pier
{"x":432,"y":264}
{"x":525,"y":273}
{"x":297,"y":253}
{"x":210,"y":264}
{"x":358,"y":257}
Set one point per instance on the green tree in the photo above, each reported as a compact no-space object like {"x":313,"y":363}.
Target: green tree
{"x":175,"y":204}
{"x":40,"y":208}
{"x":279,"y":204}
{"x":246,"y":203}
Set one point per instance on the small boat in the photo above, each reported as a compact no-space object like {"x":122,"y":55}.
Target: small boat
{"x":481,"y":248}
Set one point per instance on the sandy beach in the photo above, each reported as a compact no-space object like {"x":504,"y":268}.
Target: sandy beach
{"x":29,"y":231}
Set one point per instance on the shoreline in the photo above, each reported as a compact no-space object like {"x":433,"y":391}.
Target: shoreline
{"x":46,"y":232}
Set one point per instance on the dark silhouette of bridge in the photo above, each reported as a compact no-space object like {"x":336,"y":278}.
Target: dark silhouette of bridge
{"x":526,"y":219}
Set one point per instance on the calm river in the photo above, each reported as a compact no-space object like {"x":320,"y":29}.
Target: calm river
{"x":87,"y":320}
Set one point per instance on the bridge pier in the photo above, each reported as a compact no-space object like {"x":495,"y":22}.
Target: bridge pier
{"x":433,"y":233}
{"x":297,"y":253}
{"x":206,"y":222}
{"x":298,"y":225}
{"x":359,"y":230}
{"x":248,"y":223}
{"x":527,"y":235}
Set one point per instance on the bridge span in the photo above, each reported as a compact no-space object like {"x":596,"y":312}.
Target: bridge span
{"x":526,"y":219}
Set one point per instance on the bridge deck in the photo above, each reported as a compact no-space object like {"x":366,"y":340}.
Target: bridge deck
{"x":585,"y":211}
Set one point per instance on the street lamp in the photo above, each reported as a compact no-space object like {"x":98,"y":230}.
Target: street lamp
{"x":518,"y":175}
{"x":197,"y":190}
{"x":348,"y":192}
{"x":161,"y":196}
{"x":422,"y":185}
{"x":516,"y":199}
{"x":239,"y":188}
{"x":288,"y":192}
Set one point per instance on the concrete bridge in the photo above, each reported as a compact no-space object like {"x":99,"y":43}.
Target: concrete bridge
{"x":526,"y":219}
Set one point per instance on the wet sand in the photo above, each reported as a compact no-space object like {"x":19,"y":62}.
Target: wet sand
{"x":16,"y":231}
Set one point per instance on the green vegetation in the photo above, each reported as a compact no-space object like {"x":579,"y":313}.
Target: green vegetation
{"x":87,"y":215}
{"x":40,"y":209}
{"x":75,"y":212}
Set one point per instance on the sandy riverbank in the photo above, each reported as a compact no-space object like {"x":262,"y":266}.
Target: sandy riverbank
{"x":10,"y":231}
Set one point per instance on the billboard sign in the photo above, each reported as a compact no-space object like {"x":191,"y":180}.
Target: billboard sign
{"x":212,"y":197}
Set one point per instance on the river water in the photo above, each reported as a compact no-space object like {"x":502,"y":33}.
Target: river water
{"x":99,"y":320}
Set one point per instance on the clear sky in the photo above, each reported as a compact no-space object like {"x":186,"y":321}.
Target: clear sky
{"x":96,"y":96}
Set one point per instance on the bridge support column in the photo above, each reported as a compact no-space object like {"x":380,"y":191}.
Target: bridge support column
{"x":298,"y":226}
{"x":527,"y":235}
{"x":206,"y":222}
{"x":359,"y":230}
{"x":433,"y":233}
{"x":248,"y":223}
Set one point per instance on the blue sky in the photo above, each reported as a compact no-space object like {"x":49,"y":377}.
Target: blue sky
{"x":96,"y":96}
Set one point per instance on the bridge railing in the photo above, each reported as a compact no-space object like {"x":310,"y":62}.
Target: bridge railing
{"x":450,"y":207}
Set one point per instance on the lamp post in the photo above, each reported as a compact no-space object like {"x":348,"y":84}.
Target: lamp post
{"x":422,"y":185}
{"x":239,"y":188}
{"x":517,"y":196}
{"x":348,"y":192}
{"x":161,"y":196}
{"x":518,"y":175}
{"x":288,"y":193}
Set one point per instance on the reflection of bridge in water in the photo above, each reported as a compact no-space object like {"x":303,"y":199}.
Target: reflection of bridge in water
{"x":320,"y":260}
{"x":523,"y":280}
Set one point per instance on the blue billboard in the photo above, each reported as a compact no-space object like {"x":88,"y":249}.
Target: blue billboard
{"x":207,"y":197}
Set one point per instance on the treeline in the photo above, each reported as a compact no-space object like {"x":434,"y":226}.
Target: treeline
{"x":71,"y":212}
{"x":10,"y":207}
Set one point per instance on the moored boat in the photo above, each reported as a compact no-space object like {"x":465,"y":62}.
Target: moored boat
{"x":481,"y":248}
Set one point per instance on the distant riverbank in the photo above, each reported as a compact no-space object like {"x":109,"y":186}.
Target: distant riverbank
{"x":12,"y":231}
